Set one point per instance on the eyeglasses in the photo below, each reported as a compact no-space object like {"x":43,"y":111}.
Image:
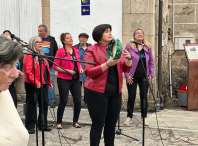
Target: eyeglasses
{"x":139,"y":33}
{"x":37,"y":42}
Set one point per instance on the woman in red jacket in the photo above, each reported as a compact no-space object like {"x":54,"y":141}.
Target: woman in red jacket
{"x":66,"y":81}
{"x":103,"y":85}
{"x":30,"y":117}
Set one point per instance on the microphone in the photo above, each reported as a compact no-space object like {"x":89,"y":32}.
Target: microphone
{"x":136,"y":42}
{"x":17,"y":38}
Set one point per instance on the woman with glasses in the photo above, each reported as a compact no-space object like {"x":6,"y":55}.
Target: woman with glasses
{"x":67,"y":82}
{"x":30,"y":118}
{"x":137,"y":73}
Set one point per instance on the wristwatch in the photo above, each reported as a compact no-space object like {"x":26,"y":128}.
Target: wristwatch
{"x":130,"y":58}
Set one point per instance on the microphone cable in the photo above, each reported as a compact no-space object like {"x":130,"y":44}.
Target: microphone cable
{"x":142,"y":123}
{"x":155,"y":136}
{"x":54,"y":119}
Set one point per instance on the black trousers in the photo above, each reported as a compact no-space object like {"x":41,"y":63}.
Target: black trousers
{"x":104,"y":112}
{"x":143,"y":86}
{"x":81,"y":83}
{"x":64,"y":86}
{"x":13,"y":93}
{"x":31,"y":117}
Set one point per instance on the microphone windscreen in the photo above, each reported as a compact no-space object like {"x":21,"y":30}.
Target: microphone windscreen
{"x":132,"y":40}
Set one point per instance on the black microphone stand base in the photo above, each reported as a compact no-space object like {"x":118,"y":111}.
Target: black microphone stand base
{"x":119,"y":132}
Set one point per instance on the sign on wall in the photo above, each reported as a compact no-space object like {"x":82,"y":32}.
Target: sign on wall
{"x":85,"y":7}
{"x":191,"y":51}
{"x":85,"y":2}
{"x":85,"y":10}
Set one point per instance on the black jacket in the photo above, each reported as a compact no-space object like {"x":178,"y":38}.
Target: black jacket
{"x":87,"y":44}
{"x":53,"y":49}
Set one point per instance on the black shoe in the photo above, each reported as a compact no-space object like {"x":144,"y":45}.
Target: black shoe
{"x":52,"y":105}
{"x":46,"y":129}
{"x":31,"y":131}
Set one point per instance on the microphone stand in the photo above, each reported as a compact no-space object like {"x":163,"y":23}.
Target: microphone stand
{"x":40,"y":59}
{"x":119,"y":131}
{"x":35,"y":100}
{"x":146,"y":82}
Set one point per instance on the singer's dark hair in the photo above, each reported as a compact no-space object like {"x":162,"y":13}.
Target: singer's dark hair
{"x":99,"y":30}
{"x":10,"y":51}
{"x":7,"y":31}
{"x":62,"y":39}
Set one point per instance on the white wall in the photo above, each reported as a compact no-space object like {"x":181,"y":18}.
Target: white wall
{"x":21,"y":17}
{"x":66,"y":17}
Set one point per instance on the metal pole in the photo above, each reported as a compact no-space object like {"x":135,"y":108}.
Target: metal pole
{"x":160,"y":53}
{"x":170,"y":74}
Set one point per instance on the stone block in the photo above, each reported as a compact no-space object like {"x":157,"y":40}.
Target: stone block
{"x":126,"y":40}
{"x":55,"y":84}
{"x":46,"y":16}
{"x":19,"y":86}
{"x":46,"y":12}
{"x":185,"y":13}
{"x":143,"y":6}
{"x":151,"y":40}
{"x":46,"y":21}
{"x":186,"y":1}
{"x":151,"y":6}
{"x":131,"y":22}
{"x":190,"y":28}
{"x":170,"y":13}
{"x":196,"y":13}
{"x":170,"y":25}
{"x":196,"y":39}
{"x":170,"y":1}
{"x":45,"y":3}
{"x":126,"y":9}
{"x":179,"y":28}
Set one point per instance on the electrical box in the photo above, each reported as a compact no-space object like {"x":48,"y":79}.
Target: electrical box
{"x":180,"y":41}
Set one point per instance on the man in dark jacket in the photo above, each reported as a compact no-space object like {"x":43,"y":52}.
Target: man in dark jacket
{"x":83,"y":38}
{"x":49,"y":48}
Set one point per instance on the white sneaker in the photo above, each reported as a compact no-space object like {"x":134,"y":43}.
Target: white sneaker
{"x":145,"y":122}
{"x":128,"y":121}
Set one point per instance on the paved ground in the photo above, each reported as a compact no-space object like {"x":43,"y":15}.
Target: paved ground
{"x":177,"y":126}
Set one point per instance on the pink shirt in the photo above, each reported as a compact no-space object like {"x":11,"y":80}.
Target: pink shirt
{"x":66,"y":64}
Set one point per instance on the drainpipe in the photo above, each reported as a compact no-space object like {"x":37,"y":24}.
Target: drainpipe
{"x":160,"y":55}
{"x":173,"y":19}
{"x":170,"y":74}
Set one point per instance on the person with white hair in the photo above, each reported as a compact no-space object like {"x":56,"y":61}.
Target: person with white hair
{"x":12,"y":129}
{"x":30,"y":118}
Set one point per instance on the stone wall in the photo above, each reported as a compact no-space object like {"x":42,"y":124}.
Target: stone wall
{"x":139,"y":14}
{"x":186,"y":20}
{"x":46,"y":14}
